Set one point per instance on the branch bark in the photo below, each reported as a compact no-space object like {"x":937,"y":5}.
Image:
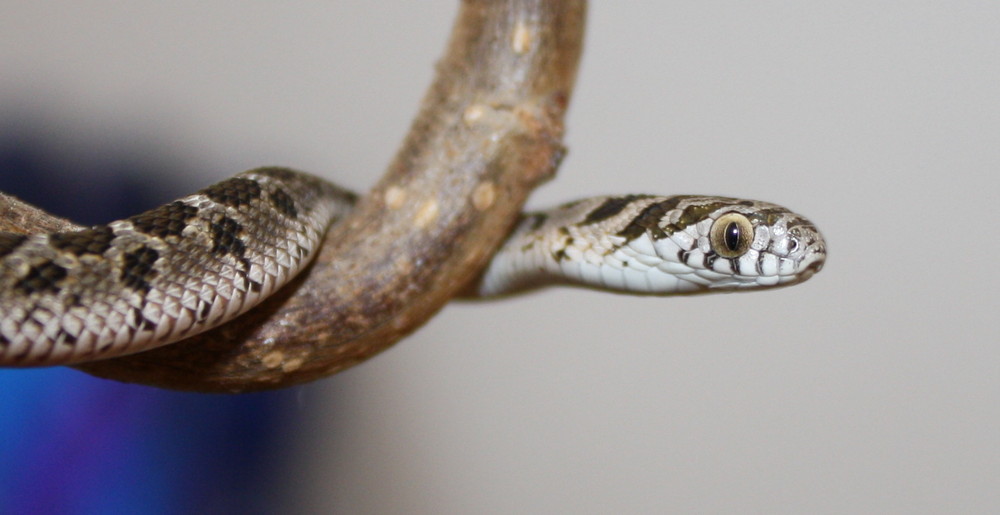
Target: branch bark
{"x":488,"y":132}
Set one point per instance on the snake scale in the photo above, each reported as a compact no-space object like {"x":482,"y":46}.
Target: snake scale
{"x":192,"y":264}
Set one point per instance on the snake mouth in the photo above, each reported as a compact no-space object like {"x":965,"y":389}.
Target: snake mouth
{"x":813,"y":264}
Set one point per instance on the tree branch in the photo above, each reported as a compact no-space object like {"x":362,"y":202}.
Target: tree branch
{"x":488,"y":132}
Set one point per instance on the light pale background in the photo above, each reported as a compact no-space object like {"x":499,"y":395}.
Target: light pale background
{"x":873,"y":387}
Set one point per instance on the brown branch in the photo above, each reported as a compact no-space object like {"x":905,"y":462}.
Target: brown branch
{"x":488,"y":132}
{"x":18,"y":216}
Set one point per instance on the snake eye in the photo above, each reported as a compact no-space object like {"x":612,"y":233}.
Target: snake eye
{"x":731,"y":235}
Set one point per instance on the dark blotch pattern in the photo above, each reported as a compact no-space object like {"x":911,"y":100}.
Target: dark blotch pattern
{"x":649,"y":220}
{"x":770,"y":216}
{"x":609,"y":208}
{"x":10,"y":241}
{"x":226,"y":240}
{"x":206,"y":308}
{"x":226,"y":237}
{"x":696,"y":212}
{"x":283,"y":202}
{"x":560,"y":254}
{"x":41,"y":278}
{"x":64,"y":338}
{"x":168,"y":220}
{"x":537,"y":220}
{"x":234,"y":192}
{"x":138,"y":268}
{"x":140,"y":322}
{"x":89,"y":241}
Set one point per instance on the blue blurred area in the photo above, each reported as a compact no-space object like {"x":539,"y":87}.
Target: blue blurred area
{"x":71,"y":443}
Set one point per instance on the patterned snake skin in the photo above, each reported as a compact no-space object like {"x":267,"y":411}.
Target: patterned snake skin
{"x":191,"y":265}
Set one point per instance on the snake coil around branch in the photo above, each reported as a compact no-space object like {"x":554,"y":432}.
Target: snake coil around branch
{"x":489,"y":131}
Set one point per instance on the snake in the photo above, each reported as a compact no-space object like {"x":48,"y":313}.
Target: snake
{"x":202,"y":260}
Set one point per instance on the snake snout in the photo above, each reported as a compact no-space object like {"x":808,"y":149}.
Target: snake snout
{"x":812,"y":268}
{"x":813,"y":261}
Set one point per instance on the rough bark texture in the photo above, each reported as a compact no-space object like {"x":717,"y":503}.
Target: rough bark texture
{"x":488,"y":132}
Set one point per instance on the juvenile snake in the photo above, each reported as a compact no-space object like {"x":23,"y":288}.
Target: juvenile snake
{"x":192,"y":264}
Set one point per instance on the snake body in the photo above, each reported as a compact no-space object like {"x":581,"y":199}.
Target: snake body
{"x":197,"y":262}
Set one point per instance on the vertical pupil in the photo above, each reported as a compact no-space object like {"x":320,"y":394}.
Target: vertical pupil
{"x":732,"y":236}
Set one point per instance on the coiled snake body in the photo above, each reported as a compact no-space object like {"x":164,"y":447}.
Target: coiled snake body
{"x":190,"y":265}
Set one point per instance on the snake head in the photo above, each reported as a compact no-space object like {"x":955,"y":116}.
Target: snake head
{"x":744,"y":244}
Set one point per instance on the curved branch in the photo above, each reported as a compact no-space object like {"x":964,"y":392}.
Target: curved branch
{"x":488,"y":132}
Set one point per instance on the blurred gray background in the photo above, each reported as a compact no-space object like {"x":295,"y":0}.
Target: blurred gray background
{"x":874,"y":387}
